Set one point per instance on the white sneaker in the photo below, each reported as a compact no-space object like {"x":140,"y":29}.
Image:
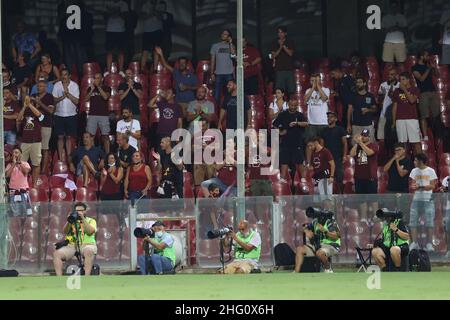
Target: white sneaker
{"x":413,"y":246}
{"x":282,"y":180}
{"x":429,"y":247}
{"x":425,"y":138}
{"x":328,"y":271}
{"x":122,"y":74}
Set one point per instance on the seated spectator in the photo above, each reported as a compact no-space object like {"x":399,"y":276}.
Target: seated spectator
{"x":260,"y":185}
{"x":186,"y":81}
{"x":345,"y":88}
{"x":22,"y":72}
{"x":47,"y":67}
{"x":278,"y":105}
{"x":229,"y":108}
{"x":130,"y":94}
{"x":361,"y":111}
{"x":24,"y":41}
{"x":126,"y":151}
{"x":98,"y":95}
{"x":386,"y":94}
{"x":116,"y":12}
{"x":8,"y":82}
{"x":316,"y":98}
{"x":111,"y":179}
{"x":138,"y":179}
{"x":11,"y":110}
{"x":226,"y":180}
{"x":324,"y":167}
{"x":32,"y":120}
{"x":200,"y":109}
{"x":87,"y":160}
{"x":17,"y":172}
{"x":43,"y":76}
{"x":130,"y":126}
{"x":171,"y":185}
{"x":252,"y":59}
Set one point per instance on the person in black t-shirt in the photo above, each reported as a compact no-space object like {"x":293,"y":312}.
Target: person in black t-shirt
{"x":291,"y":124}
{"x":171,"y":186}
{"x":130,"y":93}
{"x":229,"y":108}
{"x":126,"y":151}
{"x":346,"y":89}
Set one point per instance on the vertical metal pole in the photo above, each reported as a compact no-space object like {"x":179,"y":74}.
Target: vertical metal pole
{"x":133,"y":244}
{"x":240,"y":114}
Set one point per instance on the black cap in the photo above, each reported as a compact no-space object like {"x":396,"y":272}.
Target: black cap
{"x":365,"y":133}
{"x":159,"y":224}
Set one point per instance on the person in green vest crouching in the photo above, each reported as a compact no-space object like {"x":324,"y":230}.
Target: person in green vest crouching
{"x":394,"y":242}
{"x":163,"y":257}
{"x":247,"y":249}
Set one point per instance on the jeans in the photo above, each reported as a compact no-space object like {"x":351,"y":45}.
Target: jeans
{"x":221,"y":81}
{"x":135,"y":195}
{"x":159,"y":263}
{"x":222,"y":186}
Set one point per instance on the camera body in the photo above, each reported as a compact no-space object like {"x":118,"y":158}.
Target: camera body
{"x":217,"y":233}
{"x":73,"y":217}
{"x":321,"y":215}
{"x":143,"y":232}
{"x":388,"y":215}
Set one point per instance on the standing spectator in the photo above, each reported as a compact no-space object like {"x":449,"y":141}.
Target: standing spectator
{"x":361,"y":111}
{"x":423,"y":180}
{"x":386,"y":93}
{"x":43,"y":76}
{"x":11,"y":110}
{"x":201,"y":109}
{"x":98,"y":95}
{"x":153,"y":30}
{"x":185,"y":80}
{"x":51,"y":70}
{"x":229,"y":108}
{"x":394,"y":23}
{"x":130,"y":94}
{"x":168,"y":24}
{"x":31,"y":119}
{"x":335,"y":140}
{"x":423,"y":72}
{"x":291,"y":124}
{"x":252,"y":67}
{"x":22,"y":71}
{"x":202,"y":170}
{"x":404,"y":113}
{"x":130,"y":126}
{"x":87,"y":160}
{"x":24,"y":41}
{"x":324,"y":167}
{"x":66,"y":94}
{"x":111,"y":179}
{"x":222,"y":69}
{"x":345,"y":89}
{"x":171,"y":185}
{"x":138,"y":179}
{"x":171,"y":115}
{"x":126,"y":151}
{"x":17,"y":172}
{"x":316,"y":98}
{"x":278,"y":105}
{"x":445,"y":40}
{"x":283,"y":50}
{"x":45,"y":103}
{"x":365,"y":154}
{"x":116,"y":40}
{"x":8,"y":82}
{"x":131,"y":21}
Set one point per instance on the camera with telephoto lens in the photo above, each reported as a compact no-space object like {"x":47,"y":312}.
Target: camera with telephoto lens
{"x":321,"y":215}
{"x":143,"y":232}
{"x":73,"y":217}
{"x":385,"y":214}
{"x":217,"y":233}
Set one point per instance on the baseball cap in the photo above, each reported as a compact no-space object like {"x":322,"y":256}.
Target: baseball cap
{"x":365,"y":133}
{"x":159,"y":224}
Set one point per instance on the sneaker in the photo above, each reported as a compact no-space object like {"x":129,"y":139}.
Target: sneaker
{"x":328,"y":271}
{"x":122,"y":74}
{"x":282,"y":180}
{"x":429,"y":247}
{"x":425,"y":138}
{"x":413,"y":246}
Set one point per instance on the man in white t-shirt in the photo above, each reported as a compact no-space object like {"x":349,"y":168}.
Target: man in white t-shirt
{"x":129,"y":126}
{"x":423,"y":182}
{"x":394,"y":24}
{"x":385,"y":93}
{"x":316,"y":98}
{"x":445,"y":22}
{"x":115,"y":32}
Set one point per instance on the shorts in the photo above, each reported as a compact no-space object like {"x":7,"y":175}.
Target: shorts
{"x":32,"y":151}
{"x":69,"y":250}
{"x":98,"y":121}
{"x":291,"y":155}
{"x":429,"y":101}
{"x":380,"y":129}
{"x":428,"y":209}
{"x":66,"y":126}
{"x":408,"y":131}
{"x":357,"y":130}
{"x":203,"y":172}
{"x":285,"y":80}
{"x":329,"y":250}
{"x":313,"y":130}
{"x":116,"y":40}
{"x":10,"y":137}
{"x":394,"y":51}
{"x":323,"y":187}
{"x":261,"y":188}
{"x":365,"y":186}
{"x":151,"y":39}
{"x":46,"y":134}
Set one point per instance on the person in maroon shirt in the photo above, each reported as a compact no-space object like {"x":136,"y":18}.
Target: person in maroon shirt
{"x":252,"y":62}
{"x":98,"y":95}
{"x":365,"y":154}
{"x":323,"y":166}
{"x":111,"y":179}
{"x":138,"y":179}
{"x":45,"y":103}
{"x":11,"y":110}
{"x":404,"y":113}
{"x":31,"y":119}
{"x":226,"y":179}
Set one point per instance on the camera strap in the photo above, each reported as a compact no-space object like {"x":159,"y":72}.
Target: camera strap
{"x":74,"y":231}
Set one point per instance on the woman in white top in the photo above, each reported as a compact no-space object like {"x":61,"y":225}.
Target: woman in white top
{"x":278,"y":105}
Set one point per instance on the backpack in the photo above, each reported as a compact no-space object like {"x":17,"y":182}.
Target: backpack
{"x":284,"y":255}
{"x":419,"y":261}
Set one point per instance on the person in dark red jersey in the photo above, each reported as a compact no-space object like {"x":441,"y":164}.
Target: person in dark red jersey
{"x":111,"y":179}
{"x":138,"y":179}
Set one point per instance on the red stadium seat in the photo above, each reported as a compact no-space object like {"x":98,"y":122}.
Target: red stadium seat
{"x":30,"y":246}
{"x":86,"y":82}
{"x":135,"y":67}
{"x":91,"y":68}
{"x":114,"y":103}
{"x":38,"y":195}
{"x":444,"y":159}
{"x":113,"y":80}
{"x":54,"y":236}
{"x":61,"y":195}
{"x":60,"y":167}
{"x":92,"y":185}
{"x":86,"y":195}
{"x":56,"y":182}
{"x":41,"y":183}
{"x":203,"y":71}
{"x":189,"y":65}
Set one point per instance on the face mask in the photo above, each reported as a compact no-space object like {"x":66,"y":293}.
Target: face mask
{"x":159,"y":234}
{"x":245,"y":235}
{"x":111,"y":165}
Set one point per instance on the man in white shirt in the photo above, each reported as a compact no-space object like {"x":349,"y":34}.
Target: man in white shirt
{"x":394,"y":23}
{"x":115,"y":32}
{"x":131,"y":127}
{"x":423,"y":182}
{"x":316,"y":98}
{"x":66,"y":94}
{"x":386,"y":92}
{"x":445,"y":41}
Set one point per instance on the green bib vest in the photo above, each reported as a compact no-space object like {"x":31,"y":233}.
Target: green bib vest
{"x":86,"y":239}
{"x":240,"y":253}
{"x":168,"y":252}
{"x":387,"y":236}
{"x":326,"y":240}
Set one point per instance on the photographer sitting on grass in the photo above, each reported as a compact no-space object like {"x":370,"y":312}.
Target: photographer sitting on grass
{"x":321,"y":239}
{"x":247,"y":249}
{"x":163,"y":257}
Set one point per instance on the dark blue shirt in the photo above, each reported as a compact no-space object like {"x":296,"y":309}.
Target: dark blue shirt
{"x":359,"y":102}
{"x":230,"y":106}
{"x":189,"y":79}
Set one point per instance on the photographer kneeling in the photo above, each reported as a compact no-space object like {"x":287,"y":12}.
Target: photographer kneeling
{"x":394,"y":242}
{"x":81,"y":228}
{"x":247,"y":249}
{"x":321,"y":239}
{"x":163,"y":257}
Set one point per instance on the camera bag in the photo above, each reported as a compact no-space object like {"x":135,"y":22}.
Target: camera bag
{"x":284,"y":255}
{"x":419,"y":261}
